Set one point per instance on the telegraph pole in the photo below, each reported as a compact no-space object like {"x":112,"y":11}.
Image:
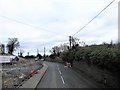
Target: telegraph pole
{"x":37,"y":51}
{"x":28,"y":53}
{"x":44,"y":53}
{"x":70,"y":40}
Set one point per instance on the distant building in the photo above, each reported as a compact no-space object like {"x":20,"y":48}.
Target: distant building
{"x":2,"y":48}
{"x":8,"y":59}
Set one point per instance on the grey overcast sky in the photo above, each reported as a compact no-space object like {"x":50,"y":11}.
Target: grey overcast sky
{"x":47,"y":23}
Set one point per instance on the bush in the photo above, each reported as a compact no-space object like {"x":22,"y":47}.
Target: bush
{"x":103,"y":56}
{"x":52,"y":56}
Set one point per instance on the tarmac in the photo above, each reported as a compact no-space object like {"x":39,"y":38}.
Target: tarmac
{"x":34,"y":80}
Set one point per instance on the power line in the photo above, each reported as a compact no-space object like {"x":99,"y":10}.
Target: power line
{"x":17,"y":21}
{"x":93,"y":18}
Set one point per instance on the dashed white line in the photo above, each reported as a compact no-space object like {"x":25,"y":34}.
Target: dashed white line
{"x":62,"y":80}
{"x":60,"y":72}
{"x":58,"y":67}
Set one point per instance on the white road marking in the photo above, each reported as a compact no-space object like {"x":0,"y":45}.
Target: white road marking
{"x":58,"y":67}
{"x":62,"y":80}
{"x":60,"y":72}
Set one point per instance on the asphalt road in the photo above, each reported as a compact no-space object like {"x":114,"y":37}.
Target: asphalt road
{"x":58,"y":76}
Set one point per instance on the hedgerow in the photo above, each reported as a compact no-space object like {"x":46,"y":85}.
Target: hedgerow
{"x":103,"y":56}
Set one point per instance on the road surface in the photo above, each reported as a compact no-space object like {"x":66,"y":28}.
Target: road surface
{"x":58,"y":76}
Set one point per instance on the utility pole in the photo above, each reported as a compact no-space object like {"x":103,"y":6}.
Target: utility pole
{"x":37,"y":51}
{"x":44,"y":53}
{"x":70,"y":40}
{"x":28,"y":53}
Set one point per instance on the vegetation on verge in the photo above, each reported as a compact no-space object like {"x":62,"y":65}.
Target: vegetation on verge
{"x":105,"y":56}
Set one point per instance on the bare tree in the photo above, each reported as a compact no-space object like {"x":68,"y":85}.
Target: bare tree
{"x":12,"y":45}
{"x":2,"y":48}
{"x":63,"y":47}
{"x":73,"y":41}
{"x":21,"y":53}
{"x":55,"y":49}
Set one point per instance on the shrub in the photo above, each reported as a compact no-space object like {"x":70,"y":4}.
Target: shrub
{"x":100,"y":55}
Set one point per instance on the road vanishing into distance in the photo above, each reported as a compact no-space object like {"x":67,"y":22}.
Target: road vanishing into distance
{"x":58,"y":76}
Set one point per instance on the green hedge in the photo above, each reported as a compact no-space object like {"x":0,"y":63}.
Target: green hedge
{"x":104,"y":56}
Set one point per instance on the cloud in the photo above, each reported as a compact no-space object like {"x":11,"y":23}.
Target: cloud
{"x":47,"y":23}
